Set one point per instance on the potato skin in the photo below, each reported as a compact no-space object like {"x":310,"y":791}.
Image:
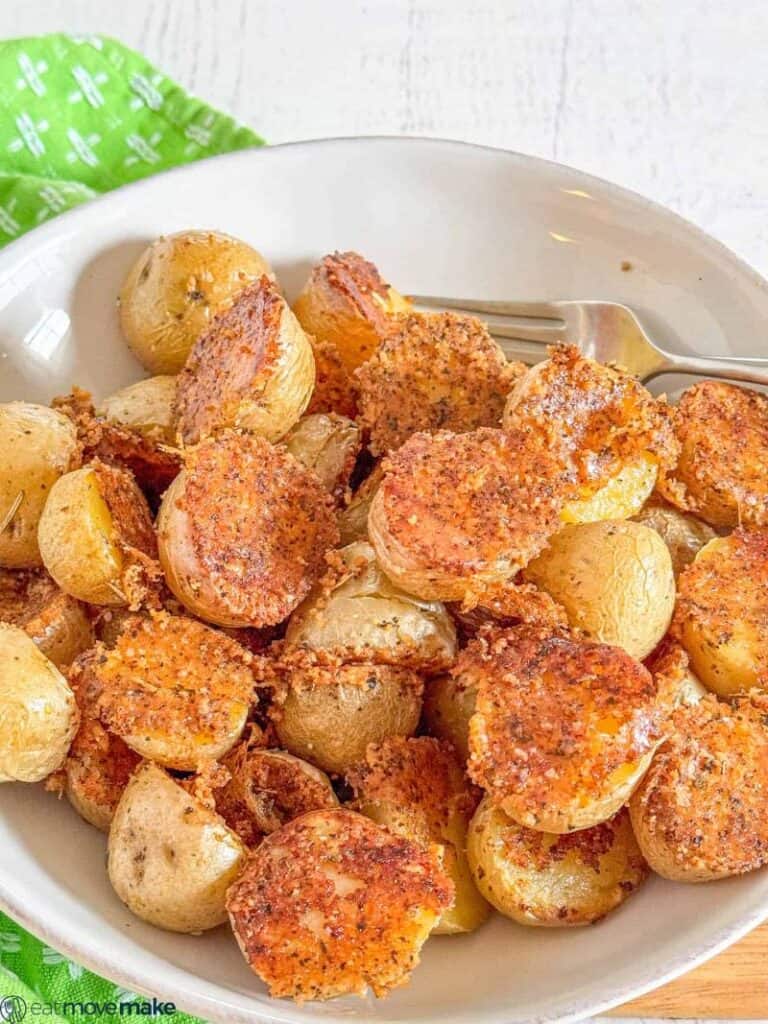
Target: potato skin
{"x":331,"y":713}
{"x":416,"y":788}
{"x":328,"y":445}
{"x":146,"y":407}
{"x":360,"y":615}
{"x":620,"y":497}
{"x":699,"y":813}
{"x":175,"y":288}
{"x":346,"y":302}
{"x":37,"y":709}
{"x":721,"y":612}
{"x":449,"y":703}
{"x":353,"y":519}
{"x":331,"y":904}
{"x":614,"y":579}
{"x":684,"y":534}
{"x":58,"y":623}
{"x":39,"y":445}
{"x":553,"y":881}
{"x":170,"y":858}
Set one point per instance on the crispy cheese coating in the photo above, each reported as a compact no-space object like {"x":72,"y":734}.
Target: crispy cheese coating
{"x":458,"y":512}
{"x":599,"y":418}
{"x":721,"y":616}
{"x":561,"y":728}
{"x":335,"y":390}
{"x":332,"y":904}
{"x":244,"y":531}
{"x":699,"y":813}
{"x":721,"y":474}
{"x":58,"y":623}
{"x":436,"y":371}
{"x":175,"y":690}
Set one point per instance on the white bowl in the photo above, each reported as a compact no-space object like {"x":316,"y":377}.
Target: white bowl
{"x":436,"y":217}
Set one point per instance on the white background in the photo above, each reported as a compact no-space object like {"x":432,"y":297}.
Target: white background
{"x":668,"y":97}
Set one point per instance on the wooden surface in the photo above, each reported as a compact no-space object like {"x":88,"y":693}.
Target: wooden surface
{"x":733,"y":985}
{"x":666,"y":97}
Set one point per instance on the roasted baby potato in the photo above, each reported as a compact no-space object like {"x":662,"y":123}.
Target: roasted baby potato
{"x":330,"y":713}
{"x":253,"y":369}
{"x":146,"y":407}
{"x":353,"y":519}
{"x":58,"y":623}
{"x":96,"y":535}
{"x":417,"y":789}
{"x":346,"y":302}
{"x":449,"y":703}
{"x":699,"y":813}
{"x":327,"y":444}
{"x":607,"y":427}
{"x":176,"y":287}
{"x":614,"y":579}
{"x":720,"y":475}
{"x":39,"y":445}
{"x":671,"y":669}
{"x":331,"y":905}
{"x":37,"y":709}
{"x":722,"y":611}
{"x":435,"y":371}
{"x":96,"y":772}
{"x":175,"y":690}
{"x":171,"y":859}
{"x":243,"y":531}
{"x":359,"y":615}
{"x":563,"y":730}
{"x":334,"y":387}
{"x":556,"y":881}
{"x":457,"y":513}
{"x":684,"y":534}
{"x":267,"y":789}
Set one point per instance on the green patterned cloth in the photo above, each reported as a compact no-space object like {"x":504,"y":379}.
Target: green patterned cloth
{"x":80,"y":116}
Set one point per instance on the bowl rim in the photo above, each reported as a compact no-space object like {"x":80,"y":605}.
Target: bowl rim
{"x":208,"y":1004}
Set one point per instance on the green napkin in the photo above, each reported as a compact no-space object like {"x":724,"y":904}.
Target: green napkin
{"x":80,"y":115}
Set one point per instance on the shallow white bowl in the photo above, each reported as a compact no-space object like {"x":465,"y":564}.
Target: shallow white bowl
{"x":436,"y":217}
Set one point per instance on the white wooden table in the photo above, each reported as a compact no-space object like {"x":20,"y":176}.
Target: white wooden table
{"x":667,"y":97}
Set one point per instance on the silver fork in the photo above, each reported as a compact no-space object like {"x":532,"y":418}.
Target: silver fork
{"x":605,"y":331}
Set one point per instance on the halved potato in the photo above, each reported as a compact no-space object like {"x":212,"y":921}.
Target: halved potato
{"x":58,"y":623}
{"x":176,"y":287}
{"x":39,"y":445}
{"x":328,"y":445}
{"x":334,"y":387}
{"x":175,"y":690}
{"x":417,"y":789}
{"x":620,"y":497}
{"x":359,"y":615}
{"x":614,"y":579}
{"x":699,"y":813}
{"x":37,"y":709}
{"x":353,"y":520}
{"x":538,"y":878}
{"x":330,"y":713}
{"x":458,"y":513}
{"x":146,"y":406}
{"x":331,"y":904}
{"x":267,"y":789}
{"x":722,"y":612}
{"x":253,"y":369}
{"x":563,"y":730}
{"x":96,"y":772}
{"x":96,"y":535}
{"x":243,"y":531}
{"x":171,"y":859}
{"x":437,"y":371}
{"x":671,"y":669}
{"x":346,"y":302}
{"x":684,"y":534}
{"x":449,"y":703}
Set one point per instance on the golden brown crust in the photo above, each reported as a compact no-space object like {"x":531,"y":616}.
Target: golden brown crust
{"x":721,"y":475}
{"x":175,"y":690}
{"x":58,"y":623}
{"x":97,"y":770}
{"x":232,"y":369}
{"x":699,"y":814}
{"x":600,"y":418}
{"x":670,"y":667}
{"x":458,"y":512}
{"x":267,"y":789}
{"x":335,"y":389}
{"x":510,"y":603}
{"x":560,"y":727}
{"x":721,"y":616}
{"x":243,"y":531}
{"x":435,"y":371}
{"x":332,"y":904}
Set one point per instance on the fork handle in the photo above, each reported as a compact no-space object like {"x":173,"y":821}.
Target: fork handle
{"x":722,"y":369}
